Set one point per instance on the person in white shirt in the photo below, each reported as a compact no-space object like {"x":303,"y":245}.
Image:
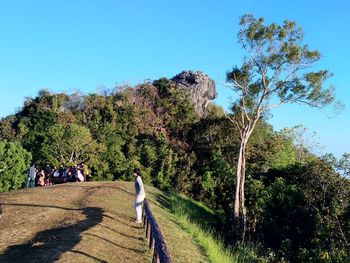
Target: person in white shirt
{"x":140,"y":195}
{"x":80,"y":176}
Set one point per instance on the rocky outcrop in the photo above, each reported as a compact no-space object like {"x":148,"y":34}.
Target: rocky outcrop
{"x":200,"y":86}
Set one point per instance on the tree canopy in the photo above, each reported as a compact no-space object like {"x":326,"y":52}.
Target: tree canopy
{"x":69,"y":144}
{"x":14,"y":161}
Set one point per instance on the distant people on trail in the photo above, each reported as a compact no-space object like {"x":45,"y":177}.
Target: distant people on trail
{"x":48,"y":170}
{"x":70,"y":174}
{"x":48,"y":173}
{"x":140,"y":195}
{"x":55,"y":173}
{"x":85,"y":171}
{"x":40,"y":178}
{"x":55,"y":178}
{"x":79,"y":173}
{"x":31,"y":176}
{"x":49,"y":176}
{"x":62,"y":172}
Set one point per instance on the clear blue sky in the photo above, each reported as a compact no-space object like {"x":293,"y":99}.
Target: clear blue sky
{"x":67,"y":45}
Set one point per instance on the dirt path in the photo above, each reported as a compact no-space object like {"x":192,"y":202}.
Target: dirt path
{"x":76,"y":222}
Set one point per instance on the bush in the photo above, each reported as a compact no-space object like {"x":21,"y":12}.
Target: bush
{"x":14,"y":161}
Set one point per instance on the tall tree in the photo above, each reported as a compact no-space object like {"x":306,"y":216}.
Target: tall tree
{"x":275,"y":71}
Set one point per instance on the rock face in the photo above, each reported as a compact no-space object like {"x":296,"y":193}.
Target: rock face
{"x":200,"y":86}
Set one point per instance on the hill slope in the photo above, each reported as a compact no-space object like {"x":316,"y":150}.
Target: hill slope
{"x":85,"y":222}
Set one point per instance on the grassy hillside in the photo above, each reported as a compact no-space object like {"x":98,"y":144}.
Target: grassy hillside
{"x":86,"y":222}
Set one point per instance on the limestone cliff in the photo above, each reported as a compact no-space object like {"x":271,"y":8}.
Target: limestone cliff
{"x":200,"y":86}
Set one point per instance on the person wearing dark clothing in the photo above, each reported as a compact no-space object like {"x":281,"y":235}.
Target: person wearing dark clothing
{"x":31,"y":176}
{"x":48,"y":170}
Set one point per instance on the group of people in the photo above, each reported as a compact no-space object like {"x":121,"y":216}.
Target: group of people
{"x":38,"y":176}
{"x":43,"y":176}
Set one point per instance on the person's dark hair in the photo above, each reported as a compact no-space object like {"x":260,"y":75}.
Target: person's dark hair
{"x":137,"y":171}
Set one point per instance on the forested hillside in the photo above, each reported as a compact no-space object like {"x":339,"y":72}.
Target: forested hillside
{"x":298,"y":204}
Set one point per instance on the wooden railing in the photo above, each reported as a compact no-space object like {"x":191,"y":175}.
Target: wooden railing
{"x":157,"y":245}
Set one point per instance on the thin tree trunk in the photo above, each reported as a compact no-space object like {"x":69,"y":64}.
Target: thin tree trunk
{"x":242,"y":196}
{"x":240,"y":213}
{"x":237,"y":203}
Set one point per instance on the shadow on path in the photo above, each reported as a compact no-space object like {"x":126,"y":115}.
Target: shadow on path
{"x":89,"y":256}
{"x":123,"y":190}
{"x":115,"y":244}
{"x":120,"y":233}
{"x":49,"y":245}
{"x":43,"y":206}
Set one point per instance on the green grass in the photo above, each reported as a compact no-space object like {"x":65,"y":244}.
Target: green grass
{"x":181,"y":245}
{"x":191,"y":230}
{"x":202,"y":224}
{"x":198,"y":221}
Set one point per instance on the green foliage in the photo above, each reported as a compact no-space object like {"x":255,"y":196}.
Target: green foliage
{"x":277,"y":67}
{"x":208,"y":184}
{"x":148,"y":153}
{"x":177,"y":110}
{"x":301,"y":211}
{"x":185,"y":177}
{"x":342,"y":165}
{"x":100,"y":170}
{"x":163,"y":85}
{"x":201,"y":223}
{"x":7,"y":128}
{"x":214,"y":135}
{"x":217,"y":184}
{"x":269,"y":150}
{"x":166,"y":165}
{"x":304,"y":142}
{"x":215,"y":111}
{"x":65,"y":144}
{"x":298,"y":207}
{"x":14,"y":161}
{"x":114,"y":156}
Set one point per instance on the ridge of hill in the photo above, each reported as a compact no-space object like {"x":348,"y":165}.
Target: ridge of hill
{"x":86,"y":222}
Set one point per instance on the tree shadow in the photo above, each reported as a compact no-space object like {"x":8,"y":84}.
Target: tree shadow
{"x":42,"y":206}
{"x":119,"y":215}
{"x":49,"y":245}
{"x":115,"y":244}
{"x":121,"y":222}
{"x":162,"y":201}
{"x":89,"y":256}
{"x":120,"y":233}
{"x":121,"y":189}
